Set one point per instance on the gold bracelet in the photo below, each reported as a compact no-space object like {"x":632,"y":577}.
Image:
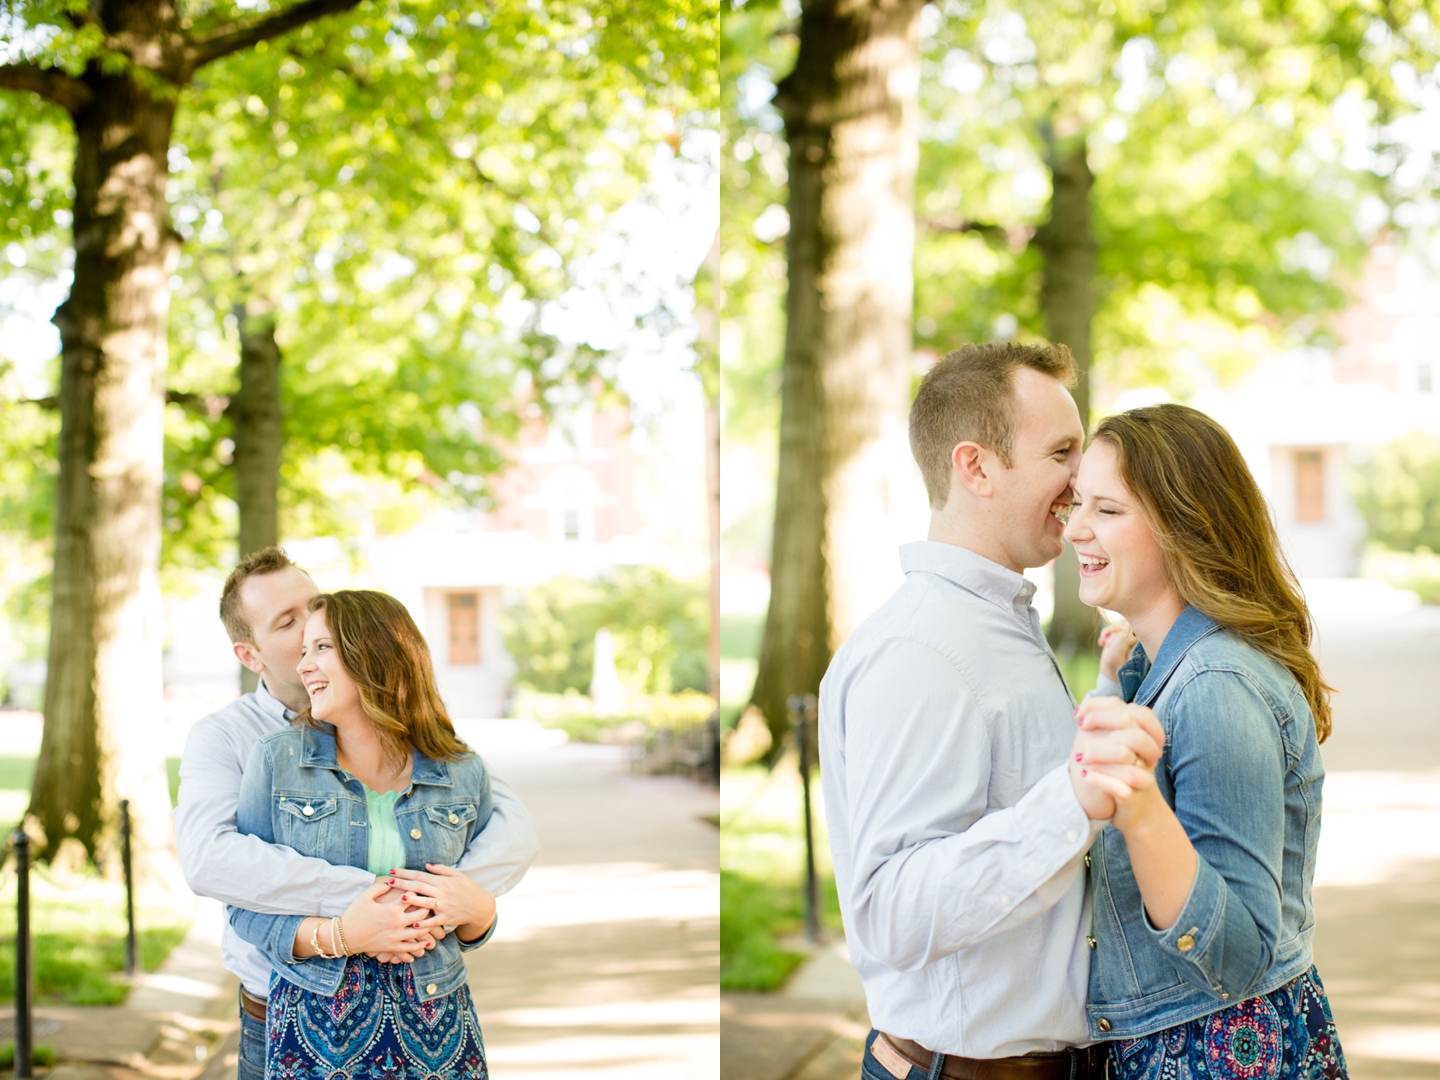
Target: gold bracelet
{"x":337,"y":934}
{"x":315,"y":943}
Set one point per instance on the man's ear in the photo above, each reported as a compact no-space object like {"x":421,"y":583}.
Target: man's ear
{"x":974,"y":465}
{"x":245,"y":653}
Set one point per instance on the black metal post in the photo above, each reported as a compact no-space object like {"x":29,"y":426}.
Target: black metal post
{"x":801,"y":712}
{"x":129,"y":888}
{"x":24,"y":969}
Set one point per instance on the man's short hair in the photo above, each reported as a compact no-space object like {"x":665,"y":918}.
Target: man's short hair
{"x":269,"y":560}
{"x":970,"y":397}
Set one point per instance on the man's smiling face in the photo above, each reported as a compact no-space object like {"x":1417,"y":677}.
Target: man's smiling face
{"x":277,"y":607}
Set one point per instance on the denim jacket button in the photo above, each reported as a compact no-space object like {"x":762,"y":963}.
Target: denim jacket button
{"x":1090,"y":940}
{"x":307,"y":810}
{"x":429,"y":988}
{"x":454,"y":820}
{"x":1103,"y":1024}
{"x":415,"y":835}
{"x":1185,"y":943}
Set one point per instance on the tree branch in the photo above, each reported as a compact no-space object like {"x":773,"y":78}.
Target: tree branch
{"x":1016,"y":237}
{"x":228,"y":40}
{"x":65,"y":90}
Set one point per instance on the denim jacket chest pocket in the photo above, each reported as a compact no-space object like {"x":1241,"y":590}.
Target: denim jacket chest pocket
{"x":311,"y":825}
{"x":437,"y":832}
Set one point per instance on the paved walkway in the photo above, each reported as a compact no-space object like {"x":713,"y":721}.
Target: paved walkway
{"x":1377,"y":884}
{"x":606,"y":963}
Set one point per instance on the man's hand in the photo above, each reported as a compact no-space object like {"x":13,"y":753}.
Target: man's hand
{"x":1127,"y":739}
{"x":381,"y":921}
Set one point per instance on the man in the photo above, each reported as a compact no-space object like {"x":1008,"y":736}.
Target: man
{"x":958,"y":819}
{"x":264,"y":606}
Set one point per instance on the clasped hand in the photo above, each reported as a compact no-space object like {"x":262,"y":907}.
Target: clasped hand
{"x":1113,"y":758}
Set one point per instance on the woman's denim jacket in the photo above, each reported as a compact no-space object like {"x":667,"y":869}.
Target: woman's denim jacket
{"x":294,"y":793}
{"x":1241,"y":768}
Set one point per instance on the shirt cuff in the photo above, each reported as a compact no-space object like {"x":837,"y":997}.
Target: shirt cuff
{"x":1105,"y":688}
{"x":466,"y":946}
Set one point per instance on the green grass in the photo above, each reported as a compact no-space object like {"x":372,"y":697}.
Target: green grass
{"x":752,"y":912}
{"x":79,"y":941}
{"x":17,"y":773}
{"x":42,"y":1055}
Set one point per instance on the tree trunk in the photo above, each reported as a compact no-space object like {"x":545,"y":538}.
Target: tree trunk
{"x":255,"y":419}
{"x":104,"y":703}
{"x":850,"y":120}
{"x":1068,"y":299}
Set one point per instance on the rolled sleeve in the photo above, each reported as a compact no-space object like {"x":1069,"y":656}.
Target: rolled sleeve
{"x":466,"y":946}
{"x":1228,"y":772}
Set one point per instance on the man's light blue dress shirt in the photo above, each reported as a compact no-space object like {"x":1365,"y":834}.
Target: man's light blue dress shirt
{"x":957,"y":838}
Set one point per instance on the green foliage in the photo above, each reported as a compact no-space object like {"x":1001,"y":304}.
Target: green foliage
{"x":43,"y":1055}
{"x":1397,"y":491}
{"x":656,"y":621}
{"x":751,"y":913}
{"x":573,"y":713}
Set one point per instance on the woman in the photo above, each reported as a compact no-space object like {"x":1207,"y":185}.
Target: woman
{"x":371,"y":775}
{"x":1202,"y":902}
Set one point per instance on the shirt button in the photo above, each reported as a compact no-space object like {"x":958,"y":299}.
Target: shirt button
{"x":415,"y":835}
{"x":1091,"y":940}
{"x":1103,"y":1024}
{"x":1185,"y":943}
{"x":307,"y":811}
{"x":429,"y":988}
{"x":454,"y":820}
{"x":1071,"y":835}
{"x":1005,"y":901}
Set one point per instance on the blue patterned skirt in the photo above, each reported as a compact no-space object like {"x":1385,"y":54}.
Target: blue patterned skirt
{"x":1287,"y":1034}
{"x":375,"y":1028}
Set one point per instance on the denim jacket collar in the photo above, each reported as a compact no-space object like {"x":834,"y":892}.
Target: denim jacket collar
{"x":1140,"y":680}
{"x":318,"y":752}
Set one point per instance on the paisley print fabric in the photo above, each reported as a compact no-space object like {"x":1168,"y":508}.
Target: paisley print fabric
{"x":1286,"y":1035}
{"x":375,"y":1028}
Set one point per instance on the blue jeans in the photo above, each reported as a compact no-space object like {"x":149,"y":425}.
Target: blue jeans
{"x":251,"y":1065}
{"x":872,"y":1068}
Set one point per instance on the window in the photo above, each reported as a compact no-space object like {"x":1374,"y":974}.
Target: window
{"x":1309,"y":485}
{"x":1424,"y":379}
{"x":464,"y":628}
{"x":572,"y":523}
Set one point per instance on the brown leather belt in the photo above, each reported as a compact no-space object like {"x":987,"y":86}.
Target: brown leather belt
{"x":253,"y":1006}
{"x":1082,"y":1063}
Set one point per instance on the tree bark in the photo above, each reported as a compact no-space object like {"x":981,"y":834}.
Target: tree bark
{"x":103,"y":694}
{"x":1068,"y":300}
{"x":850,"y":119}
{"x":104,"y":697}
{"x":255,"y":421}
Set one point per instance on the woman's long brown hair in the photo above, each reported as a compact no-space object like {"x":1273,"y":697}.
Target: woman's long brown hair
{"x":382,"y":649}
{"x":1214,"y":527}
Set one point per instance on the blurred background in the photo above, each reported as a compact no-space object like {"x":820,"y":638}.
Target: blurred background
{"x":1231,"y":206}
{"x":432,"y":309}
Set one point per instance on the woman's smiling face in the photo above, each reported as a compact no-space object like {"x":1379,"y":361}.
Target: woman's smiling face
{"x":332,"y":692}
{"x":1122,"y":567}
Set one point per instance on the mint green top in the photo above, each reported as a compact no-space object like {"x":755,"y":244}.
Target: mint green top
{"x":387,"y":850}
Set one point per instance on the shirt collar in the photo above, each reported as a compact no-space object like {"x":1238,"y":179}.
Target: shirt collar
{"x":271,"y":704}
{"x":988,"y":580}
{"x":1140,"y":680}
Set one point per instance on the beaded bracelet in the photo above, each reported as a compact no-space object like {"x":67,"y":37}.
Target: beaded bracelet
{"x":337,"y":935}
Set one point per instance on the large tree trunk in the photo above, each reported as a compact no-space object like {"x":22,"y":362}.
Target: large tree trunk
{"x":103,"y":696}
{"x":255,"y":418}
{"x":850,"y":114}
{"x":1068,"y":299}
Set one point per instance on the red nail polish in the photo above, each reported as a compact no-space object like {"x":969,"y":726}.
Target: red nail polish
{"x":1079,"y":757}
{"x":392,"y":881}
{"x":404,"y":896}
{"x":1084,"y":772}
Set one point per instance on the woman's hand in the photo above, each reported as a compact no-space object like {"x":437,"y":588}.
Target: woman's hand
{"x":453,"y":899}
{"x":375,"y":923}
{"x":1116,"y":644}
{"x":1111,"y":733}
